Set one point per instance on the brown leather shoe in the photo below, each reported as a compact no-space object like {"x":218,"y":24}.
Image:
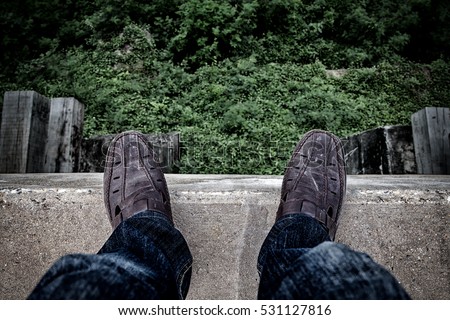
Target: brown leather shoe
{"x":133,"y":181}
{"x":315,"y":181}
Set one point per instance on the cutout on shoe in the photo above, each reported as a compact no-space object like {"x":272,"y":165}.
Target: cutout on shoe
{"x":330,"y":212}
{"x":117,"y":211}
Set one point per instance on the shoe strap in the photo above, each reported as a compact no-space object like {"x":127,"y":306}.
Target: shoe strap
{"x":142,"y":199}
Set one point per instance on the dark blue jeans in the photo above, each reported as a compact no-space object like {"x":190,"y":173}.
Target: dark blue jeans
{"x":147,"y":258}
{"x":144,"y":258}
{"x":298,"y":261}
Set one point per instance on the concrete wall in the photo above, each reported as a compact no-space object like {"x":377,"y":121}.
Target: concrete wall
{"x":401,"y":221}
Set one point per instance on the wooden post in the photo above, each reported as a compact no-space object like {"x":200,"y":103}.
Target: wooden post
{"x":167,"y":149}
{"x":65,"y":129}
{"x":431,"y":132}
{"x":1,"y":113}
{"x":23,"y":132}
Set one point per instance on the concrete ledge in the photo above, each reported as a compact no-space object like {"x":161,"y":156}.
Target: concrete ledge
{"x":401,"y":221}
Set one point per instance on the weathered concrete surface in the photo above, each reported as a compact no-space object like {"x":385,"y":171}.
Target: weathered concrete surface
{"x":401,"y":221}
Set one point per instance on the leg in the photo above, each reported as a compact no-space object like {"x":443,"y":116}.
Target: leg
{"x":298,"y":259}
{"x":145,"y":257}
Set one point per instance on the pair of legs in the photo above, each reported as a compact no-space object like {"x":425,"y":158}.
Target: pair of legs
{"x":146,"y":257}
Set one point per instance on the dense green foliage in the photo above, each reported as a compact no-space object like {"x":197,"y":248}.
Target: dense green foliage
{"x":240,"y":79}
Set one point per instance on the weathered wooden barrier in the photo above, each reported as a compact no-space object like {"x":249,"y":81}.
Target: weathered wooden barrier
{"x":45,"y":135}
{"x":24,"y":132}
{"x":165,"y":146}
{"x":431,"y":131}
{"x":423,"y":147}
{"x":65,"y":132}
{"x":384,"y":150}
{"x":38,"y":134}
